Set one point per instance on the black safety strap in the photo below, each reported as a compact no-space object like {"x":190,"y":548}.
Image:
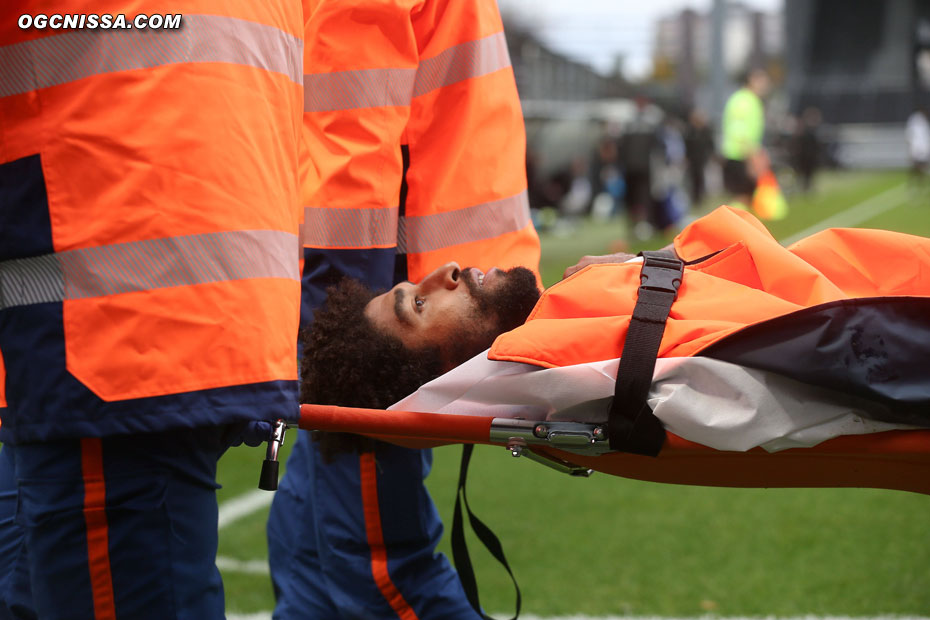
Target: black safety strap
{"x":631,"y":425}
{"x":485,"y":535}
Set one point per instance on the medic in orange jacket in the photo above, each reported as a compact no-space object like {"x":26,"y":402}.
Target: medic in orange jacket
{"x":416,"y":144}
{"x":148,"y":246}
{"x":416,"y":157}
{"x":149,"y":291}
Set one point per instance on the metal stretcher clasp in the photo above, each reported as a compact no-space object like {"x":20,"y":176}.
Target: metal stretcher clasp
{"x":577,"y":437}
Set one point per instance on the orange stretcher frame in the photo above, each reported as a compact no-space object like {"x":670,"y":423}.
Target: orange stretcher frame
{"x":898,"y":460}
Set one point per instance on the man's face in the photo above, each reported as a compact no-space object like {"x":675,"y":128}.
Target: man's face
{"x":760,"y":83}
{"x":459,"y":311}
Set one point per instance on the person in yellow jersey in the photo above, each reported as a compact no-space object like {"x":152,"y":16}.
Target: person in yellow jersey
{"x":743,"y":128}
{"x":149,"y":291}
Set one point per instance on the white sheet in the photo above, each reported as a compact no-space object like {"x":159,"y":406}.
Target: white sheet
{"x":715,"y":403}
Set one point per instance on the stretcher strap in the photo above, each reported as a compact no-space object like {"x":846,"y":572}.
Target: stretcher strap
{"x":485,"y":535}
{"x":631,"y":425}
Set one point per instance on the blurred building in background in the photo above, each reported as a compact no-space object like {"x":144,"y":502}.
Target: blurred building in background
{"x":846,"y":76}
{"x":865,"y":65}
{"x":567,"y":106}
{"x":856,"y":60}
{"x":544,"y":74}
{"x":683,"y":54}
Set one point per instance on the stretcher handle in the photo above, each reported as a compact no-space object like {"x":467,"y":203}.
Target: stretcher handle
{"x":268,"y":480}
{"x":391,"y":425}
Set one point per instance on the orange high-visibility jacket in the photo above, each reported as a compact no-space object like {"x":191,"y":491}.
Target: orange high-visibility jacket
{"x":846,"y":309}
{"x":149,"y":208}
{"x":433,"y":77}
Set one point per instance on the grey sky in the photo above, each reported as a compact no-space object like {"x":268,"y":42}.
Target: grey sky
{"x":594,"y":31}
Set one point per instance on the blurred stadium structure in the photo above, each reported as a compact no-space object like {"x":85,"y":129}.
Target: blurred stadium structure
{"x":865,"y":65}
{"x":562,"y":131}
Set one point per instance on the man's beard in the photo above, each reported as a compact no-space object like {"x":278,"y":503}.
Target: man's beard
{"x":510,"y":300}
{"x":508,"y":303}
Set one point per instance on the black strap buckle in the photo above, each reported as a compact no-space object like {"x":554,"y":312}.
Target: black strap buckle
{"x":661,"y":272}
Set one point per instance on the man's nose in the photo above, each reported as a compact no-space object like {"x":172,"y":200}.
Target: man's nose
{"x":447,"y":277}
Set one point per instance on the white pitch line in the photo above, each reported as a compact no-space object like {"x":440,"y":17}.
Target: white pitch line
{"x":856,"y":214}
{"x":242,"y":506}
{"x":249,"y":567}
{"x":231,"y":511}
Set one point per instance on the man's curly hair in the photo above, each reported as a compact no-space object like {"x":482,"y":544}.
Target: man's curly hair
{"x":348,"y":362}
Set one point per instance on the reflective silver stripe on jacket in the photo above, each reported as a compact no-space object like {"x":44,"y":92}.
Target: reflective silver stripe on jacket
{"x":146,"y":265}
{"x":76,"y":54}
{"x":425,"y":233}
{"x":461,"y":62}
{"x":349,"y":228}
{"x":368,"y":88}
{"x":367,"y":228}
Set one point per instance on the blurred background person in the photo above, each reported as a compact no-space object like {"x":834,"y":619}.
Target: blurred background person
{"x":805,"y":148}
{"x":918,"y":146}
{"x":638,"y":144}
{"x":577,"y":199}
{"x":607,"y":183}
{"x":699,"y":149}
{"x":743,"y":127}
{"x":670,"y":202}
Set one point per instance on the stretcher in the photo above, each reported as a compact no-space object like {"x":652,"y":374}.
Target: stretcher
{"x":896,"y":459}
{"x":708,"y":421}
{"x":745,"y":433}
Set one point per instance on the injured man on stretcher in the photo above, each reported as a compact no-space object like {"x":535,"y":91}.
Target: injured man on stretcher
{"x":764,"y":345}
